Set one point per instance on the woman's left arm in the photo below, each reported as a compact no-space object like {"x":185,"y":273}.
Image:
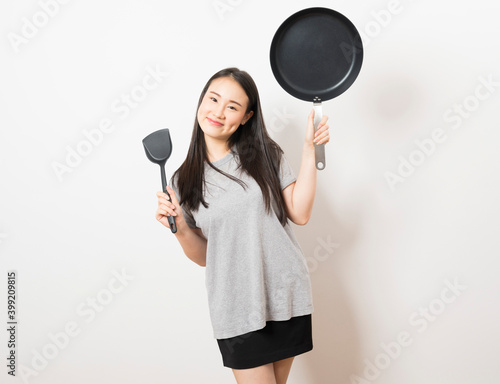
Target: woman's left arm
{"x":299,"y":196}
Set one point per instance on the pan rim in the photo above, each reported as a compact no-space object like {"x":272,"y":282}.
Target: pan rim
{"x":331,"y":90}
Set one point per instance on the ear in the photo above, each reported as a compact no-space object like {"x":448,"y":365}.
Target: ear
{"x":247,"y":117}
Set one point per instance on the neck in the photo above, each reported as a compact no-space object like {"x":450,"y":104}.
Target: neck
{"x":216,"y":149}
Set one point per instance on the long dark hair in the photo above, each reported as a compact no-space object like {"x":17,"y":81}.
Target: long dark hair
{"x":259,"y":156}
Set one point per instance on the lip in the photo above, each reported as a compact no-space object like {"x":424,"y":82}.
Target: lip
{"x":213,"y":122}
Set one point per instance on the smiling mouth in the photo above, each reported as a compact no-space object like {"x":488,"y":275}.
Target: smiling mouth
{"x":213,"y":122}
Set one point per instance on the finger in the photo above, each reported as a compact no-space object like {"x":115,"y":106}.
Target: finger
{"x":159,"y":215}
{"x":165,"y":195}
{"x":173,"y":196}
{"x":163,"y":199}
{"x":311,"y":116}
{"x":166,"y":201}
{"x":168,"y":208}
{"x":322,"y":123}
{"x":310,"y":121}
{"x":310,"y":127}
{"x":324,"y":133}
{"x":162,"y":195}
{"x":165,"y":210}
{"x":321,"y":131}
{"x":323,"y":138}
{"x":324,"y":141}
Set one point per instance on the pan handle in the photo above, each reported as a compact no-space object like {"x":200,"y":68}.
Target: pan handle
{"x":319,"y":149}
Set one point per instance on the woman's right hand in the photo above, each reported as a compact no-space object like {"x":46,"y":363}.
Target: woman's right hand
{"x":192,"y":241}
{"x":168,"y":208}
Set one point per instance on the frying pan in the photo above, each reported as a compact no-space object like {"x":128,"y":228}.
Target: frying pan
{"x":158,"y":147}
{"x":316,"y":54}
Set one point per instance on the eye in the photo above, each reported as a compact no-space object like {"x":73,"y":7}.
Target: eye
{"x":213,"y":99}
{"x":233,"y":108}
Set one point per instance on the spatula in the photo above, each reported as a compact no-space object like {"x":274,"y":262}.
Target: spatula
{"x":158,"y":147}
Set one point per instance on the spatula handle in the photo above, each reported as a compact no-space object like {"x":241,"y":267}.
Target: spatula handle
{"x":319,"y":149}
{"x":171,"y":219}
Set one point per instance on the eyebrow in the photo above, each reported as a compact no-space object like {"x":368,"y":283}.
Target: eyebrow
{"x":231,"y":101}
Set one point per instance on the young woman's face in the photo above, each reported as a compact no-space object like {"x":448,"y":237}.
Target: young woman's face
{"x":223,"y":108}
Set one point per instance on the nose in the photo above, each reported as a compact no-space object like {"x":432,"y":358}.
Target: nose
{"x":218,"y":111}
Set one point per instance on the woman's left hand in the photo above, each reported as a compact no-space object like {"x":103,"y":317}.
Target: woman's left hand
{"x":322,"y":135}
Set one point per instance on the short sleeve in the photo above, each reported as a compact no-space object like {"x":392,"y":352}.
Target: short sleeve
{"x":287,"y":176}
{"x":188,"y":216}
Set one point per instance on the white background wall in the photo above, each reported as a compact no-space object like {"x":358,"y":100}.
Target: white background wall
{"x":381,"y":258}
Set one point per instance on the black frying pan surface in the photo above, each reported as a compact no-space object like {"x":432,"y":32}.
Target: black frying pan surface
{"x":316,"y":53}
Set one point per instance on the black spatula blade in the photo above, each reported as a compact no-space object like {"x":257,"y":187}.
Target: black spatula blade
{"x":158,"y":147}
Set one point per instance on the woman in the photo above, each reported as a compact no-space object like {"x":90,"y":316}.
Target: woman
{"x":232,"y":199}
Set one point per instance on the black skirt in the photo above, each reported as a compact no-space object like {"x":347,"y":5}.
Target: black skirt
{"x":278,"y":340}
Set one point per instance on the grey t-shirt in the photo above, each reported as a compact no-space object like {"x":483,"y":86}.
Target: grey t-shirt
{"x":255,"y":269}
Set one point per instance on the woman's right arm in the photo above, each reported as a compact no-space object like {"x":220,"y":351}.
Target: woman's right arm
{"x":192,"y":241}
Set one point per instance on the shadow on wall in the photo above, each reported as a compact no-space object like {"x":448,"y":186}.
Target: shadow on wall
{"x":336,"y":352}
{"x":329,"y":239}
